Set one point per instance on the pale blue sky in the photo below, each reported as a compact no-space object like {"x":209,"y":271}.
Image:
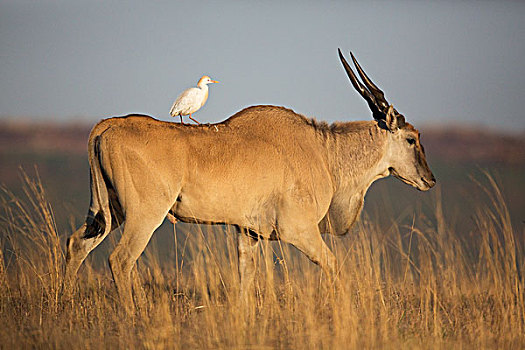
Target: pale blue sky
{"x":438,"y":62}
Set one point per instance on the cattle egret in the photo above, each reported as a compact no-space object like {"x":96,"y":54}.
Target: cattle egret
{"x":192,"y":99}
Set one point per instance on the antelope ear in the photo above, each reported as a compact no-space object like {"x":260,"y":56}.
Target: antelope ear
{"x":391,"y":119}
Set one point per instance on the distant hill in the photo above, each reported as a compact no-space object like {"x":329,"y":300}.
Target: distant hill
{"x":474,"y":145}
{"x":46,"y":137}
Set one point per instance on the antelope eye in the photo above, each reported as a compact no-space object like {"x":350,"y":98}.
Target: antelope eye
{"x":411,"y":141}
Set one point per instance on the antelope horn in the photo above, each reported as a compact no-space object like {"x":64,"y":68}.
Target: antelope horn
{"x":378,"y":94}
{"x":372,"y":103}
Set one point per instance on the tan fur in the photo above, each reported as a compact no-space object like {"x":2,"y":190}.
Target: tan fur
{"x":267,"y":170}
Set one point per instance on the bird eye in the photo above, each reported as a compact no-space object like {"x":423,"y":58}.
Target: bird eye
{"x":411,"y":141}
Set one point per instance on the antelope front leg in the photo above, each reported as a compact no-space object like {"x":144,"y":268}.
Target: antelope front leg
{"x":247,"y":249}
{"x":309,"y":241}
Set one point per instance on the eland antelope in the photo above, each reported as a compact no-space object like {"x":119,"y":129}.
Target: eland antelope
{"x":268,"y":171}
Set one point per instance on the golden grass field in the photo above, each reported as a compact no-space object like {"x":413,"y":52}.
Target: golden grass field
{"x":422,"y":285}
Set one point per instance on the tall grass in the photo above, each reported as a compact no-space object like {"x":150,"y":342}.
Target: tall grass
{"x":419,"y":285}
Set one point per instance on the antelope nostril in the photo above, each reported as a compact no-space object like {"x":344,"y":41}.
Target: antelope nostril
{"x":430,"y":183}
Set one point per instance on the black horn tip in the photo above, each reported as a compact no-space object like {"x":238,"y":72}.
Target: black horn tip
{"x":353,"y":57}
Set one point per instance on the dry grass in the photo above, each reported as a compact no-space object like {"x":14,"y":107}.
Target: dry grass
{"x":417,"y":286}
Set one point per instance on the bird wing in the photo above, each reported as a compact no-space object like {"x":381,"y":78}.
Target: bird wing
{"x":187,"y":102}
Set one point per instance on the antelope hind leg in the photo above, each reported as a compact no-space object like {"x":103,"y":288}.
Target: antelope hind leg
{"x":137,"y":232}
{"x":78,"y":248}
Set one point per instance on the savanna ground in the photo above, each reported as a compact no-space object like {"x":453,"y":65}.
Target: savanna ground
{"x":442,"y":269}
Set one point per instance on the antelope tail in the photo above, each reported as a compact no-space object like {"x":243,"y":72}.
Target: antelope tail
{"x":98,"y":220}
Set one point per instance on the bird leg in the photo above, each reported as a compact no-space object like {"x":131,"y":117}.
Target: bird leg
{"x":180,"y":115}
{"x":194,"y":120}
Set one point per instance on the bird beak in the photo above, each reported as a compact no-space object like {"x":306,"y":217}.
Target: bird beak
{"x":214,"y":81}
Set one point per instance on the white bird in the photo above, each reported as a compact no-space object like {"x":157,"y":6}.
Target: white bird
{"x":192,"y":99}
